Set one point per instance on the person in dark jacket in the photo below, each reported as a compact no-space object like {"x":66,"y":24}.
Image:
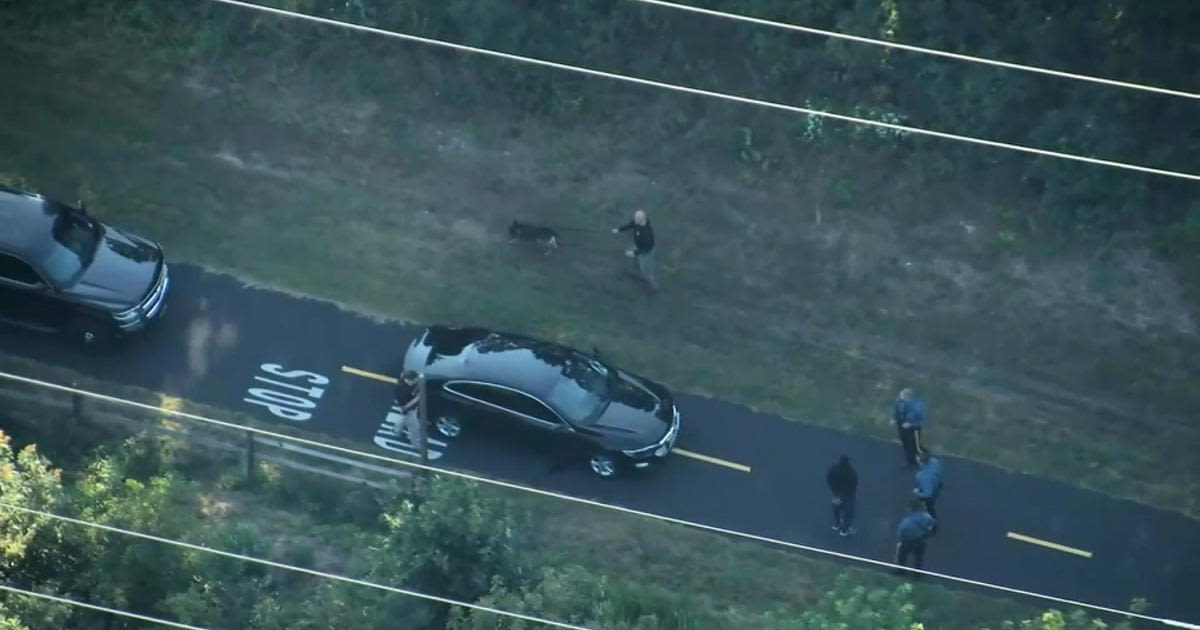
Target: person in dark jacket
{"x":908,"y":414}
{"x":929,"y":484}
{"x":843,"y":483}
{"x":643,"y":247}
{"x":914,"y":529}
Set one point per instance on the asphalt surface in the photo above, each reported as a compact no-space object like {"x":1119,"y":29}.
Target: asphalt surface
{"x":746,"y":471}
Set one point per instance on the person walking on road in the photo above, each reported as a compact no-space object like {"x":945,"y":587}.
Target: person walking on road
{"x":914,"y":529}
{"x":843,"y":483}
{"x":408,"y":396}
{"x":929,"y":485}
{"x":642,"y":251}
{"x":908,"y":414}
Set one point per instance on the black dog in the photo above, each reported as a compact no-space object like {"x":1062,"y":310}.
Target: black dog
{"x":532,"y":234}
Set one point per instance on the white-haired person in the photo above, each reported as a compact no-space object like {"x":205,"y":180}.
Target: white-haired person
{"x":908,"y":414}
{"x":642,"y":251}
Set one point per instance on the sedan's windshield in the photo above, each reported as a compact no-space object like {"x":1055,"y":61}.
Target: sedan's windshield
{"x":583,"y":391}
{"x":71,"y":248}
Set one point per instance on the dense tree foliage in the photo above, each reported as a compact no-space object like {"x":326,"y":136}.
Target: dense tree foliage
{"x":445,"y":537}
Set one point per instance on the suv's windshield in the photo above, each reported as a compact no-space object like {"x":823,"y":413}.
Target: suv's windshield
{"x":71,"y":248}
{"x":582,"y":392}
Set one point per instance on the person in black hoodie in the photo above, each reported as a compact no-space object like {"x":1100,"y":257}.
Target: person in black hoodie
{"x":843,"y":483}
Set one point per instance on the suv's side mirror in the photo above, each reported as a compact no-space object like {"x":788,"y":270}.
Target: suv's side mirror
{"x":82,"y":207}
{"x":595,"y":352}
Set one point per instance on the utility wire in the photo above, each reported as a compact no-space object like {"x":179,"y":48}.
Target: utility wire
{"x":918,"y":49}
{"x":589,"y":502}
{"x":718,"y":95}
{"x":105,"y":609}
{"x":289,"y":567}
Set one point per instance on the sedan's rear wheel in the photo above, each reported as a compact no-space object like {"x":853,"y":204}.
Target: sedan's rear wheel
{"x":604,"y":465}
{"x":448,"y":426}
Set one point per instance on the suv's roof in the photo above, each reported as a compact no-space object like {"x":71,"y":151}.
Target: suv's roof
{"x":27,"y":219}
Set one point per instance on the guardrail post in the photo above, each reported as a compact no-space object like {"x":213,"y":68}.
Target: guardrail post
{"x":250,"y":467}
{"x":77,"y":410}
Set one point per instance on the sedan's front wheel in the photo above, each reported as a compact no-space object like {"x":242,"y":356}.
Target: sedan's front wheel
{"x":448,"y":426}
{"x":604,"y":465}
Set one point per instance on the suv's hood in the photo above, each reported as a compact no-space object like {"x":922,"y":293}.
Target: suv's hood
{"x":122,"y":272}
{"x":636,"y":417}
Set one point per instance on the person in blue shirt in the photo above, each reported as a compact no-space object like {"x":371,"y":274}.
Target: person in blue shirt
{"x":929,"y":484}
{"x":914,"y":529}
{"x":908,"y":414}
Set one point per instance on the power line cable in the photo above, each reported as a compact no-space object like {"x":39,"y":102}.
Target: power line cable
{"x":718,"y":95}
{"x":289,"y":567}
{"x":112,"y":611}
{"x":919,"y":49}
{"x":589,"y":502}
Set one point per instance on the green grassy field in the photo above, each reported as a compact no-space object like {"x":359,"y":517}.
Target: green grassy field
{"x":815,"y":291}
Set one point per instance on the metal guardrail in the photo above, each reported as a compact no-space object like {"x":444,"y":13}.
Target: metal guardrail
{"x":78,"y":411}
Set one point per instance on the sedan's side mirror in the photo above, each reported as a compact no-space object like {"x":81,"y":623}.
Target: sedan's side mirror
{"x":82,"y":206}
{"x":595,"y":352}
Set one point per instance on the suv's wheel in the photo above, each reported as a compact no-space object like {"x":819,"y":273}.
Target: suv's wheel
{"x":91,"y":334}
{"x":604,"y":465}
{"x":448,"y":426}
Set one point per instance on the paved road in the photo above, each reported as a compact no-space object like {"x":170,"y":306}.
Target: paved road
{"x":745,"y":470}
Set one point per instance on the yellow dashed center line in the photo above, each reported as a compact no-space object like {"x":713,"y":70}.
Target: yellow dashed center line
{"x":704,"y":458}
{"x":373,"y":375}
{"x":713,"y":460}
{"x":1048,"y":544}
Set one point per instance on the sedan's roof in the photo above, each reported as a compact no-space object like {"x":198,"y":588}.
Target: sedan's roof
{"x":28,"y":221}
{"x":515,"y":361}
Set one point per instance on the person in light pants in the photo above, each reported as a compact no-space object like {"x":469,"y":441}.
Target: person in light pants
{"x":642,"y":251}
{"x":408,"y":397}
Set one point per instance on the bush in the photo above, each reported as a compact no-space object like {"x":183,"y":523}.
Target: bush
{"x":851,"y":605}
{"x":574,"y":595}
{"x":452,"y":538}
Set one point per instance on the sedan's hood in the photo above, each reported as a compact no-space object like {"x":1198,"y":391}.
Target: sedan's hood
{"x":122,"y":272}
{"x":636,"y":417}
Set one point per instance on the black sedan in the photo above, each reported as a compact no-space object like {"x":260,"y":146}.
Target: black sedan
{"x":564,"y":402}
{"x":63,"y":271}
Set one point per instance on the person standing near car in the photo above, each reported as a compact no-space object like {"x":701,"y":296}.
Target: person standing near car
{"x":914,"y":529}
{"x":929,"y":484}
{"x":642,"y":251}
{"x":908,"y":414}
{"x":843,"y":483}
{"x":408,"y":397}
